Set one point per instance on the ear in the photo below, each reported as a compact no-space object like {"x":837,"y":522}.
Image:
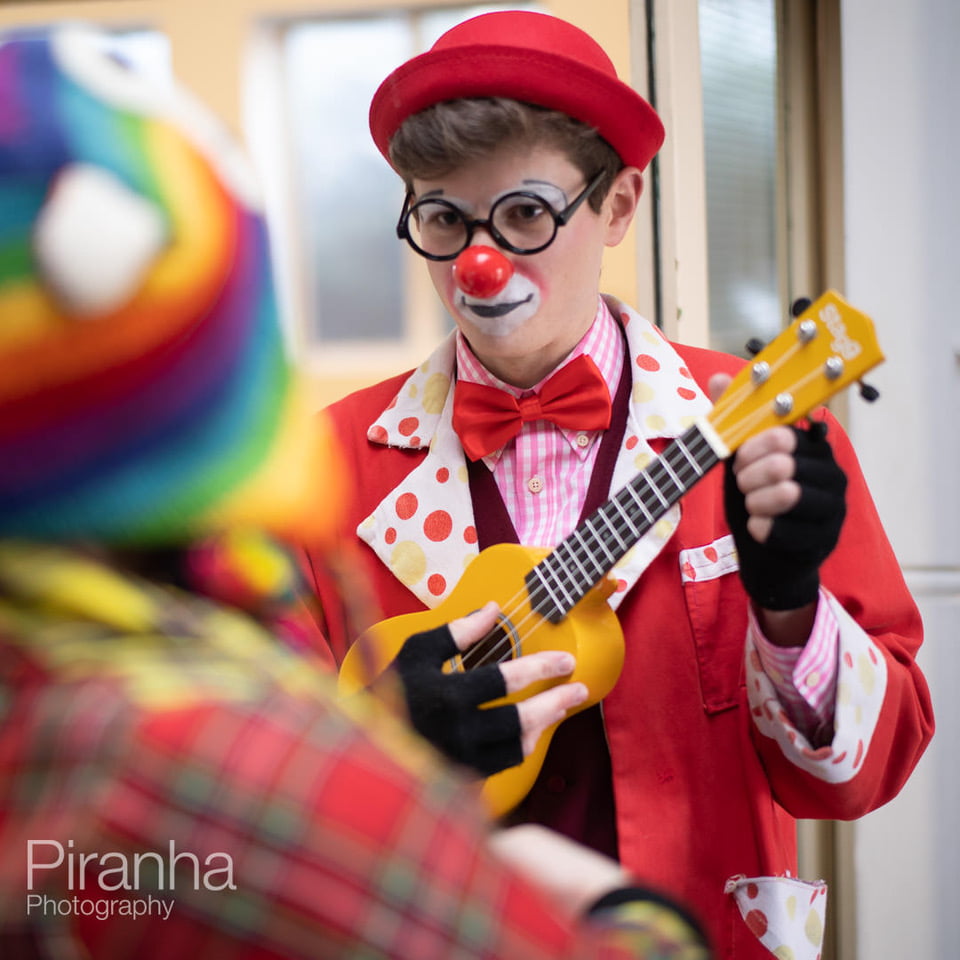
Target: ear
{"x":621,"y":203}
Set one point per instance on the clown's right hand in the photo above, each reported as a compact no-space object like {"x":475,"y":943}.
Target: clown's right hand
{"x":445,"y":708}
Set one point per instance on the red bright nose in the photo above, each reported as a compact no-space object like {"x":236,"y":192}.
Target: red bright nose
{"x":482,"y":272}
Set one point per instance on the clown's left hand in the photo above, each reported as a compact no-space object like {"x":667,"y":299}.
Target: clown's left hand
{"x":784,"y":499}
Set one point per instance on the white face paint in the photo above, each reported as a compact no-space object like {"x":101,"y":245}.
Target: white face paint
{"x":499,"y":316}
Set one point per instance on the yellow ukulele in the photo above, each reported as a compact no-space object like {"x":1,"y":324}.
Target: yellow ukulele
{"x":557,"y":599}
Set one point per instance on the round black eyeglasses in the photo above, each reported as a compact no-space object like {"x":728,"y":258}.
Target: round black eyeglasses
{"x":521,"y":222}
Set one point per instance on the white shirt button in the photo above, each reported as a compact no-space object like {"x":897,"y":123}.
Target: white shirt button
{"x":535,"y":484}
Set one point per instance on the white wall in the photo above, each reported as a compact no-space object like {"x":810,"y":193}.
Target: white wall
{"x":901,"y":89}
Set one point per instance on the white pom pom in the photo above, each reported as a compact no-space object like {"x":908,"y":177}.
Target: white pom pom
{"x":95,"y":239}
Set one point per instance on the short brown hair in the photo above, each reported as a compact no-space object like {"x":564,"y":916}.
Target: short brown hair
{"x":448,"y":135}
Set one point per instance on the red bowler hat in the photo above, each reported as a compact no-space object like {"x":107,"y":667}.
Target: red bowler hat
{"x":526,"y":56}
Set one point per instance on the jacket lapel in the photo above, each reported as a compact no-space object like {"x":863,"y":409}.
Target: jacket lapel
{"x":424,"y":529}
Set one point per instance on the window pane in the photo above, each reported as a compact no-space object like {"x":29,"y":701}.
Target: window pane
{"x":739,"y":63}
{"x":349,"y":194}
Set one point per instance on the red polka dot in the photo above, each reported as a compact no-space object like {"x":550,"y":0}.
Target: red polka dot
{"x":621,"y":586}
{"x":415,"y":441}
{"x":393,"y":402}
{"x":859,"y":755}
{"x":840,"y":758}
{"x":752,"y":891}
{"x":631,"y":442}
{"x":847,"y":659}
{"x":443,"y":475}
{"x":377,"y":434}
{"x":407,"y":505}
{"x":470,"y":534}
{"x":390,"y":535}
{"x":711,"y":554}
{"x":873,"y":655}
{"x":407,"y":425}
{"x":646,"y":362}
{"x":688,"y":570}
{"x":438,"y":525}
{"x":757,"y":922}
{"x":436,"y":584}
{"x":624,"y":317}
{"x":684,"y":372}
{"x":686,"y":393}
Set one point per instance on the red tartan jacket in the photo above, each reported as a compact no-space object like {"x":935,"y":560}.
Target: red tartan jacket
{"x":708,"y":777}
{"x":175,"y":783}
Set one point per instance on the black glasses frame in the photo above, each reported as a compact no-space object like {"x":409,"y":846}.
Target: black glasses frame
{"x":560,"y":219}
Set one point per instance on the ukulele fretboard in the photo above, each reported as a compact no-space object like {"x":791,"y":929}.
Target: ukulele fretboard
{"x":588,"y":554}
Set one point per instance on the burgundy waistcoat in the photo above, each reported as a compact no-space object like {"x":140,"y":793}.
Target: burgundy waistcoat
{"x":574,"y":792}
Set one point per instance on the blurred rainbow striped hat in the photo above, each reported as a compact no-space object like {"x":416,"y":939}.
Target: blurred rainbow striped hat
{"x":145,"y":392}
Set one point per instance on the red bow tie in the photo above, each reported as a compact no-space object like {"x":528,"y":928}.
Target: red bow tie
{"x":576,"y":397}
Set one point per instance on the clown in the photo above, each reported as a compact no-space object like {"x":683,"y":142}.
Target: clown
{"x":766,"y":676}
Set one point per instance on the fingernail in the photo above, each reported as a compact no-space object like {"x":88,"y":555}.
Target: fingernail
{"x":566,"y":661}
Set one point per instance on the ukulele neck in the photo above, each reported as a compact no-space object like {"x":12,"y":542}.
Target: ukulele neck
{"x":587,"y":555}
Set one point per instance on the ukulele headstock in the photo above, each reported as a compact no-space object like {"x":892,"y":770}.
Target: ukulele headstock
{"x":827,"y":347}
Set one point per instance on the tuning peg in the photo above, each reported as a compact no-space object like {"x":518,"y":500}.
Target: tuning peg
{"x":753,"y":346}
{"x":868,"y":393}
{"x":800,"y":305}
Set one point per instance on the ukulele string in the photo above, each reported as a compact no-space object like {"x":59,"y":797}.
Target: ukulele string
{"x":537,"y":607}
{"x":514,"y":605}
{"x":686,"y":473}
{"x":508,"y":611}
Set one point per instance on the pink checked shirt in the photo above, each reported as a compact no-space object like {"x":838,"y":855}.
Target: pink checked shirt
{"x":543,"y":475}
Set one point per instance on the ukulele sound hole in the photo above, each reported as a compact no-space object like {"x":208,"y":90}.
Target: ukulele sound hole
{"x":502,"y":643}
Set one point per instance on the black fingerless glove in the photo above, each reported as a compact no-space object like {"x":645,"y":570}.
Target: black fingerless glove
{"x":445,"y":707}
{"x":782,"y":573}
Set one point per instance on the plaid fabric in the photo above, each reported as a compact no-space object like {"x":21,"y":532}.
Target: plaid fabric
{"x":207,"y":775}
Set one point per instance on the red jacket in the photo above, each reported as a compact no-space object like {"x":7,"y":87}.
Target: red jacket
{"x":708,"y":774}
